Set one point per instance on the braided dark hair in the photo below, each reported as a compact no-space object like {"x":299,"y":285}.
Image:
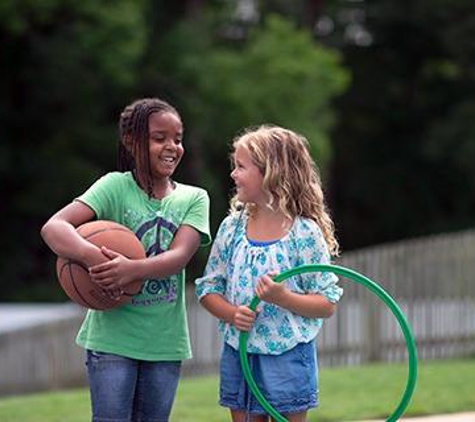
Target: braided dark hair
{"x":134,"y":138}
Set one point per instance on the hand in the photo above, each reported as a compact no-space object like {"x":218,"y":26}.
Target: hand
{"x":270,"y":291}
{"x":244,"y":318}
{"x":115,"y":273}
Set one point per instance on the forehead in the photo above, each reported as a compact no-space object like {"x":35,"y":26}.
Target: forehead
{"x":164,"y":120}
{"x":241,"y":154}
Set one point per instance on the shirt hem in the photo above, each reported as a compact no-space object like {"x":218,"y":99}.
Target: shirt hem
{"x":132,"y":354}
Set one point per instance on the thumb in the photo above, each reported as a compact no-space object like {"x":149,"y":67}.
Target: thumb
{"x":109,"y":253}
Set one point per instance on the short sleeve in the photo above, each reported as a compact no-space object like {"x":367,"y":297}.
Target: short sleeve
{"x":214,"y":277}
{"x":101,"y":196}
{"x":197,"y":215}
{"x":312,"y":249}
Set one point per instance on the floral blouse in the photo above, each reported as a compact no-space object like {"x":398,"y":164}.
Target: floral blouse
{"x":235,"y":265}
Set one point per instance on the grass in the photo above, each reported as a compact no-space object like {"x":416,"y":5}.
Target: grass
{"x":354,"y":393}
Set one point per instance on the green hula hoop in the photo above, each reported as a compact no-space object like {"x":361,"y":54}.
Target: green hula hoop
{"x":374,"y":288}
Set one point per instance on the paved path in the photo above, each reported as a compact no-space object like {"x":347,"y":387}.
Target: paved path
{"x":453,"y":417}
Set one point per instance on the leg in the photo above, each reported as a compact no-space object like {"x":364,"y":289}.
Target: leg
{"x":296,"y":417}
{"x":112,"y":381}
{"x":156,"y":388}
{"x":241,"y":416}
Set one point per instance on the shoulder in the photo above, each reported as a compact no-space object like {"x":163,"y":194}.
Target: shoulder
{"x":109,"y":183}
{"x":235,"y":219}
{"x":191,"y":192}
{"x":306,"y":226}
{"x":230,"y":224}
{"x":116,"y":178}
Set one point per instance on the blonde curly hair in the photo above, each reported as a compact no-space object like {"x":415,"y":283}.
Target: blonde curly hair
{"x":290,"y":177}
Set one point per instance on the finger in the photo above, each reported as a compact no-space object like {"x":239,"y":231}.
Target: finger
{"x":265,"y":280}
{"x":106,"y":282}
{"x":248,"y":318}
{"x":244,"y":324}
{"x":244,"y":310}
{"x":100,"y":267}
{"x":103,"y":275}
{"x":109,"y":252}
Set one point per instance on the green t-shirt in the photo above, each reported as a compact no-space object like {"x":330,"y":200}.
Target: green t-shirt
{"x":153,"y":325}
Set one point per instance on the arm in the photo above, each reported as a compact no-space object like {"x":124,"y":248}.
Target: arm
{"x":240,"y":316}
{"x":310,"y":305}
{"x":317,"y":293}
{"x":119,"y":270}
{"x":211,"y":288}
{"x":60,"y":234}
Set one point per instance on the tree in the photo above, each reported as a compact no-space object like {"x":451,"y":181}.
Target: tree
{"x":404,"y":133}
{"x":65,"y":68}
{"x":276,"y":75}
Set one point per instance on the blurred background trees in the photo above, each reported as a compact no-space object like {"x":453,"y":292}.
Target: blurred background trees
{"x":384,"y":90}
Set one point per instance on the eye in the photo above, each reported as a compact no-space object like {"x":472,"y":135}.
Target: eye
{"x":157,"y":137}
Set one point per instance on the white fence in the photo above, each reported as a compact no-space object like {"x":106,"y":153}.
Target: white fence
{"x":431,"y":279}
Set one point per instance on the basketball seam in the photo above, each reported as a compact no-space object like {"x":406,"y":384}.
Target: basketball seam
{"x":74,"y":282}
{"x":108,"y":229}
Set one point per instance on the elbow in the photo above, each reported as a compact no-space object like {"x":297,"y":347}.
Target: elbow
{"x":44,"y":231}
{"x":328,"y":310}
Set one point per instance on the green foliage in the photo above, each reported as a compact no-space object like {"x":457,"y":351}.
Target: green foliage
{"x":67,"y":66}
{"x":276,"y":75}
{"x":396,"y":148}
{"x":404,"y":139}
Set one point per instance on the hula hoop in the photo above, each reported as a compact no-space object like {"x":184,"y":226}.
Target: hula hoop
{"x":374,"y":288}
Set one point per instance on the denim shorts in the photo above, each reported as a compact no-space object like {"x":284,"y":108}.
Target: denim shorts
{"x":124,"y":389}
{"x":287,"y":381}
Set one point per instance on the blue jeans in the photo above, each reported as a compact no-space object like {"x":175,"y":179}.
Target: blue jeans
{"x":126,"y":390}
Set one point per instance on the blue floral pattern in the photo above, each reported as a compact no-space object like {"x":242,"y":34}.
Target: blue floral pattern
{"x":235,"y":265}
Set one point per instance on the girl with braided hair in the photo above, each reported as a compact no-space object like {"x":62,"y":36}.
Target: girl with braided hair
{"x":134,"y":351}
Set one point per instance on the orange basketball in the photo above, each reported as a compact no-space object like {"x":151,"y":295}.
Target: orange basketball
{"x":74,"y":277}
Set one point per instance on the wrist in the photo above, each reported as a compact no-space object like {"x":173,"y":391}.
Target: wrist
{"x":140,"y":269}
{"x":91,"y":255}
{"x":284,"y":298}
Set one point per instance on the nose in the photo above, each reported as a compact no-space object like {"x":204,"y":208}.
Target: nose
{"x":233,"y":174}
{"x":170,"y":143}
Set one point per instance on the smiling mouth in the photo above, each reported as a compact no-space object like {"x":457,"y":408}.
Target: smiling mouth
{"x":169,"y":160}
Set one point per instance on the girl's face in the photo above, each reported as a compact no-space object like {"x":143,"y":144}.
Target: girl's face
{"x":247,"y":177}
{"x":165,"y":143}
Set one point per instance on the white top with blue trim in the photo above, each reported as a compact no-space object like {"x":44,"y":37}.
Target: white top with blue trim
{"x":235,"y":265}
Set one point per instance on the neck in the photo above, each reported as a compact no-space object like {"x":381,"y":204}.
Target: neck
{"x":265,"y":224}
{"x":162,"y":188}
{"x":265,"y":214}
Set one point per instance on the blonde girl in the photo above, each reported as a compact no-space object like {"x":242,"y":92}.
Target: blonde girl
{"x":278,"y":220}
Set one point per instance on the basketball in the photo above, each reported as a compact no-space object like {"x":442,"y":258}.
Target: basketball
{"x":74,"y":276}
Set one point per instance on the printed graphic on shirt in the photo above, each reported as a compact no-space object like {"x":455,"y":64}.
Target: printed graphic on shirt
{"x":156,"y":233}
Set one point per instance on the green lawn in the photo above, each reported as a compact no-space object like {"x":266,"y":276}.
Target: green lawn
{"x":346,"y":394}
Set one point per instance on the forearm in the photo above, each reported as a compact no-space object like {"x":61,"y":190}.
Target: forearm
{"x":307,"y":305}
{"x":63,"y":239}
{"x":218,"y":306}
{"x":163,"y":265}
